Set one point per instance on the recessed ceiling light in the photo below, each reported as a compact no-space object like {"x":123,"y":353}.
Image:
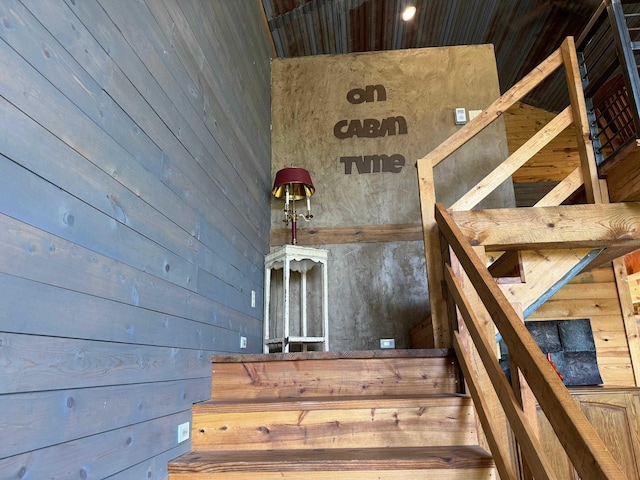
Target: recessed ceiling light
{"x":408,"y":13}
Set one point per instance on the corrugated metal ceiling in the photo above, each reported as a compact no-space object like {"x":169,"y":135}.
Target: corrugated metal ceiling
{"x":523,"y":32}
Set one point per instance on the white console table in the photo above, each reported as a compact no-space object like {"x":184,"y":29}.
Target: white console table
{"x":293,"y":258}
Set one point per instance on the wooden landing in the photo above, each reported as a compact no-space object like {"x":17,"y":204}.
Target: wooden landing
{"x":442,"y":463}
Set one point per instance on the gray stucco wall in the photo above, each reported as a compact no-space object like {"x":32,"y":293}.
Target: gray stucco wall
{"x":379,"y":290}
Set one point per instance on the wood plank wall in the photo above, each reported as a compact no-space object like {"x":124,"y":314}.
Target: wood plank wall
{"x":134,"y":216}
{"x":594,"y":295}
{"x":554,"y":162}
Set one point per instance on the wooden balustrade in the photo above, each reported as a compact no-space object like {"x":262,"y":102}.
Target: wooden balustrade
{"x":466,"y":301}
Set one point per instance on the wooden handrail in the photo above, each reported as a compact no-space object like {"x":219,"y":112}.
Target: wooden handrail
{"x":507,"y":168}
{"x":584,"y":175}
{"x":589,"y":455}
{"x":483,"y":374}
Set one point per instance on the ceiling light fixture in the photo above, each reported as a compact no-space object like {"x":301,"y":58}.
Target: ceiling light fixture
{"x":408,"y":13}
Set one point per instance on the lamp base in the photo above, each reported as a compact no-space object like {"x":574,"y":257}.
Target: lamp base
{"x":294,"y":231}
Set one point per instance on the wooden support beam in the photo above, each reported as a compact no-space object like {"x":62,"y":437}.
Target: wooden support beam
{"x":493,"y":431}
{"x":524,"y":431}
{"x":580,"y":121}
{"x":431,"y":236}
{"x":542,"y":269}
{"x":565,"y":226}
{"x":561,"y":282}
{"x":563,"y":190}
{"x":588,"y":454}
{"x":484,"y":410}
{"x":507,"y":168}
{"x":405,"y":232}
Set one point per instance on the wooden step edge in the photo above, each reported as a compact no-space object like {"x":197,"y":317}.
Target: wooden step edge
{"x":351,"y":459}
{"x":364,"y":354}
{"x":331,"y":403}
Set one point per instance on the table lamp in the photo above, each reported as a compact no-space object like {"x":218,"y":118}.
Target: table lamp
{"x":293,"y":184}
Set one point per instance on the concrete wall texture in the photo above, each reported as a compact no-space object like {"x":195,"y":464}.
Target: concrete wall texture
{"x":359,"y":123}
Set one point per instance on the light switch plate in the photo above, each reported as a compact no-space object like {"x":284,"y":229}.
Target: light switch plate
{"x":461,"y":116}
{"x":387,"y":343}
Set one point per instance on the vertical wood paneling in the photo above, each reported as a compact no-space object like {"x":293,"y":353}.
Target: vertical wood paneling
{"x":134,"y":216}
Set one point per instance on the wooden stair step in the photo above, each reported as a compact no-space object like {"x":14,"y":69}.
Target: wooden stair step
{"x":443,"y":463}
{"x":321,"y":374}
{"x":328,"y":422}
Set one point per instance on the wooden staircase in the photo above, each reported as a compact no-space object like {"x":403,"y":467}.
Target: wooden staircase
{"x":378,"y":414}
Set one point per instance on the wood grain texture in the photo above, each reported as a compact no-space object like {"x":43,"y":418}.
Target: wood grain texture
{"x":120,"y":406}
{"x":613,"y":412}
{"x":345,"y":377}
{"x":628,"y":317}
{"x":35,"y":363}
{"x":581,"y":122}
{"x":134,"y":224}
{"x":154,"y":468}
{"x":594,"y":295}
{"x":515,"y":161}
{"x":103,"y":454}
{"x":435,"y":278}
{"x":359,"y":234}
{"x":363,"y":474}
{"x":323,"y":460}
{"x":580,"y":440}
{"x":571,"y":226}
{"x":523,"y":429}
{"x":563,"y":190}
{"x":555,"y":161}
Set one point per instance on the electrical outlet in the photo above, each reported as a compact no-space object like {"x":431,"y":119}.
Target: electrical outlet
{"x":243,"y":342}
{"x":183,"y":432}
{"x":387,"y":343}
{"x":253,"y":299}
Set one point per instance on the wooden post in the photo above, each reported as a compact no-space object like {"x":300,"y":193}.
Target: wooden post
{"x":581,"y":122}
{"x":435,"y":278}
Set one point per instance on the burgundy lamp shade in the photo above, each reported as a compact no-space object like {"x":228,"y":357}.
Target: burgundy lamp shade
{"x":299,"y":180}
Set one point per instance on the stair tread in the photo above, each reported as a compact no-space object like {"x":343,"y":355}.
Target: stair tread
{"x":315,"y":355}
{"x":329,"y":403}
{"x":435,"y":457}
{"x":314,"y":377}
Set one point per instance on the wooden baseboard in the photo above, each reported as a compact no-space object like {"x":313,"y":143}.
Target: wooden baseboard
{"x":358,"y":234}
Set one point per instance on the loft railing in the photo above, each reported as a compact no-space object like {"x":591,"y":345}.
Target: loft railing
{"x":467,"y":305}
{"x":608,"y":49}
